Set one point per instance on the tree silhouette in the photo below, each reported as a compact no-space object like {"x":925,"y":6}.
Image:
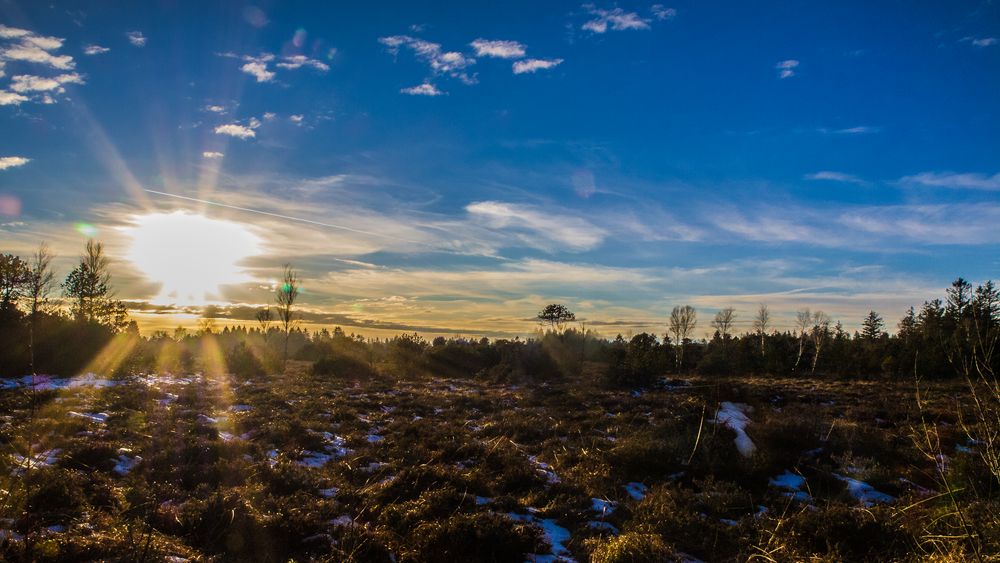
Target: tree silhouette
{"x":682,"y":323}
{"x":89,"y":288}
{"x":556,"y":315}
{"x":286,"y":296}
{"x":14,"y":273}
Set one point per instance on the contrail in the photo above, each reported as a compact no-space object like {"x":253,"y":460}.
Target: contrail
{"x":289,"y":217}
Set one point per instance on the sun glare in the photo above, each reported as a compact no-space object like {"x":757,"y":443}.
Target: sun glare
{"x":190,"y":255}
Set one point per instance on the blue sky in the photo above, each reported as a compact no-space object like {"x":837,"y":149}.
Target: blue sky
{"x":454,"y":168}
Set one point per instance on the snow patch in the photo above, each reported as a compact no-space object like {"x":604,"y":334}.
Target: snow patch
{"x":864,"y":492}
{"x":555,"y":535}
{"x":636,"y":490}
{"x":733,"y":416}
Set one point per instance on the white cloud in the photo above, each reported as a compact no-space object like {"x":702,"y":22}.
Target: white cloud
{"x":533,"y":65}
{"x":94,"y":50}
{"x":786,"y":68}
{"x":12,"y":161}
{"x":661,"y":12}
{"x":136,"y":38}
{"x":236,"y":130}
{"x":3,"y":65}
{"x":298,"y":61}
{"x":12,"y":32}
{"x":269,"y":115}
{"x":451,"y":63}
{"x":498,"y":49}
{"x":617,"y":19}
{"x":213,"y":154}
{"x":532,"y":225}
{"x":968,"y":181}
{"x":425,"y":89}
{"x":34,"y":54}
{"x":836,"y":177}
{"x":296,"y":118}
{"x":10,"y":98}
{"x":980,"y":41}
{"x":258,"y":70}
{"x":215,"y":109}
{"x":27,"y":83}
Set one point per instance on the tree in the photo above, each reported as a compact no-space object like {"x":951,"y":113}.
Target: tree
{"x":38,"y":287}
{"x":761,"y":323}
{"x":723,"y":322}
{"x":89,"y":288}
{"x":907,"y":327}
{"x":556,"y":315}
{"x":683,"y":320}
{"x":803,"y":321}
{"x":14,"y":274}
{"x":820,"y":332}
{"x":285,"y":297}
{"x":264,"y":319}
{"x":872,"y":327}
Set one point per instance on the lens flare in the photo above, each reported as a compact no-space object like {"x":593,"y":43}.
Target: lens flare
{"x":86,"y":229}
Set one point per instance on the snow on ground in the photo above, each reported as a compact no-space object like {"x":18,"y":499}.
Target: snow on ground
{"x":555,"y":535}
{"x":100,"y":417}
{"x":124,"y":464}
{"x":241,"y":408}
{"x":864,"y":492}
{"x":636,"y":490}
{"x":602,"y":506}
{"x":374,"y":438}
{"x":46,"y":382}
{"x":793,"y":484}
{"x":41,"y":459}
{"x":329,"y":493}
{"x":544,"y":469}
{"x":733,"y":416}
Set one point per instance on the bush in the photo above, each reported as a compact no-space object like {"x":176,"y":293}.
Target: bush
{"x":342,"y":366}
{"x":243,"y":362}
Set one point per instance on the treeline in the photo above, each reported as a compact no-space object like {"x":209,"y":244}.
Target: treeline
{"x":89,"y":329}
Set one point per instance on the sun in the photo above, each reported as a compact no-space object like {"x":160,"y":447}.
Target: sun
{"x":190,"y":255}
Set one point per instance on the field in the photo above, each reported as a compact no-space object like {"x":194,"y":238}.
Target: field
{"x":306,"y":467}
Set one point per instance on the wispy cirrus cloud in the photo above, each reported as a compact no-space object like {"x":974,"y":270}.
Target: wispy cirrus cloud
{"x":615,"y":19}
{"x":562,"y":231}
{"x":451,"y":63}
{"x":980,"y":42}
{"x":498,"y":48}
{"x":259,"y":66}
{"x":136,"y":38}
{"x":534,"y":65}
{"x":212,"y":154}
{"x":786,"y":68}
{"x":661,"y":12}
{"x":952,"y":180}
{"x":856,"y":130}
{"x":837,"y":177}
{"x":12,"y":161}
{"x":93,"y":49}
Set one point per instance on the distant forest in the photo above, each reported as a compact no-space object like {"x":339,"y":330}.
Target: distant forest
{"x":76,"y":325}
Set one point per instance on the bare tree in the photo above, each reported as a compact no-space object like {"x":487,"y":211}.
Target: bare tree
{"x":803,"y":322}
{"x":761,"y":323}
{"x":820,"y":332}
{"x":723,"y":322}
{"x":285,"y":297}
{"x":683,"y":320}
{"x":38,"y":288}
{"x":264,"y":319}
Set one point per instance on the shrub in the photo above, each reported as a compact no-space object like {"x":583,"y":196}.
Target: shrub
{"x":342,"y":366}
{"x":243,"y":362}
